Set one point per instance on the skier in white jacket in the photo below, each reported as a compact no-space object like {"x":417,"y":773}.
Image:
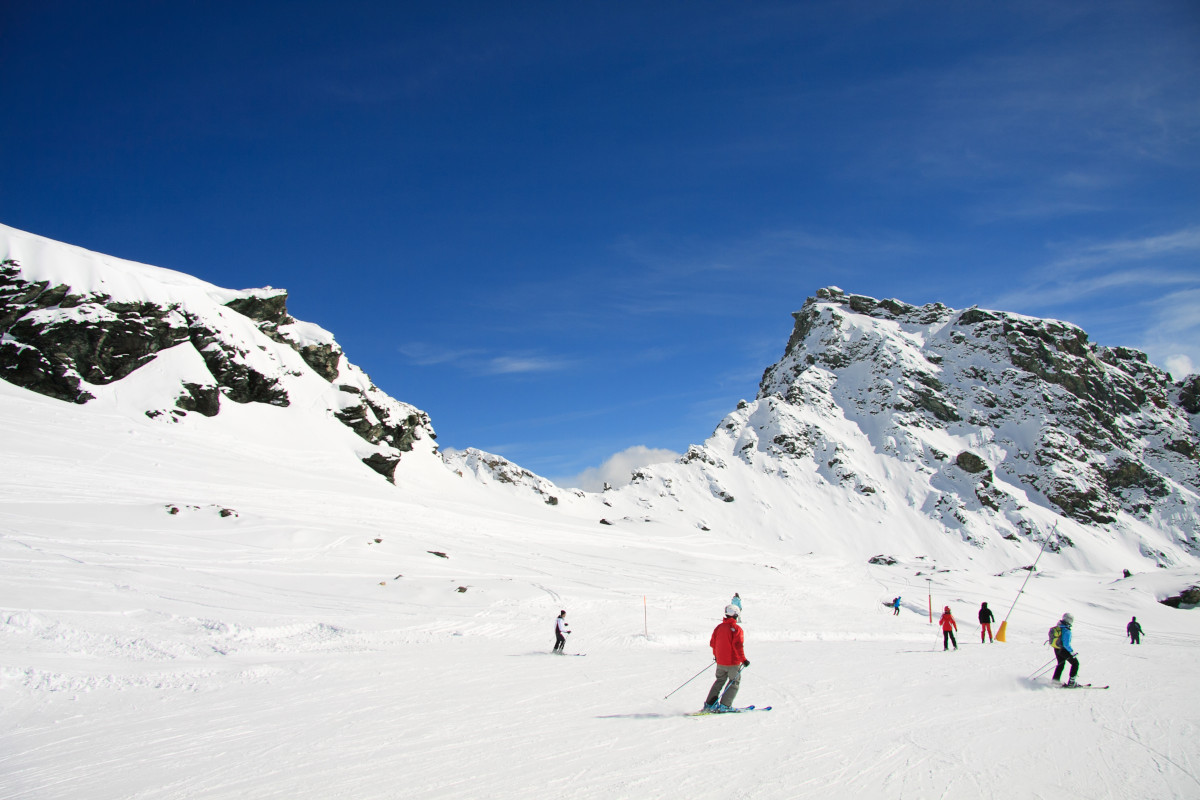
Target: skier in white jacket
{"x":561,"y":630}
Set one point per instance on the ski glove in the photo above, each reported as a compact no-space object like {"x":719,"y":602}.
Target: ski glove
{"x":746,"y":663}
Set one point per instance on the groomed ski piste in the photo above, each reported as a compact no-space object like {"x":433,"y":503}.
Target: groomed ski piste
{"x":279,"y":651}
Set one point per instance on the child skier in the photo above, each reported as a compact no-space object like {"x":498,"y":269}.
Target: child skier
{"x":949,"y":626}
{"x":985,"y":621}
{"x":727,"y":642}
{"x":896,"y":607}
{"x":560,"y":631}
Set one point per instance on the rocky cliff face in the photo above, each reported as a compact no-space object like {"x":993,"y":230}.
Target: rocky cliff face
{"x":999,"y":411}
{"x":63,"y":335}
{"x":936,"y":435}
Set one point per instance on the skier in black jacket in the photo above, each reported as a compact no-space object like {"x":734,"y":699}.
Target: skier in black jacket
{"x":985,"y":620}
{"x":1134,"y":631}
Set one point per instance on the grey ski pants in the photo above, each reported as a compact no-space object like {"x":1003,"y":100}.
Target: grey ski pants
{"x":732,"y":675}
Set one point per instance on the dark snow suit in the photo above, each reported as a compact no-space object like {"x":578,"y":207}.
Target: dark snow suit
{"x":985,"y":620}
{"x":1065,"y":654}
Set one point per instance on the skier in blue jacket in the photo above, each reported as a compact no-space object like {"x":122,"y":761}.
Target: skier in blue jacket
{"x":1064,"y":652}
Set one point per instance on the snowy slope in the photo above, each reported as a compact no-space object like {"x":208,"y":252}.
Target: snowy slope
{"x":233,"y":605}
{"x":78,"y":326}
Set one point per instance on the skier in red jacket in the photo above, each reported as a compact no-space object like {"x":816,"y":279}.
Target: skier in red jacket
{"x":726,"y":643}
{"x":949,"y":626}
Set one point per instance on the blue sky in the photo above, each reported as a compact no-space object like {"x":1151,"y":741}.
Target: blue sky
{"x":570,"y":229}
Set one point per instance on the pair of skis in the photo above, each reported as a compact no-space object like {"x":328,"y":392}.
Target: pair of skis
{"x":743,"y":709}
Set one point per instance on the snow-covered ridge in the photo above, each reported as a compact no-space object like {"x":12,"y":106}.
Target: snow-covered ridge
{"x":949,"y":432}
{"x":73,"y":322}
{"x":986,"y":428}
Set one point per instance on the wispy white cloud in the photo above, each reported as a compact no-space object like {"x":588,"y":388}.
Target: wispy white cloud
{"x":1147,"y":288}
{"x":509,"y":364}
{"x":1182,"y":241}
{"x":1087,"y":269}
{"x":482,"y":362}
{"x":1173,"y":338}
{"x":617,"y":470}
{"x":426,"y":355}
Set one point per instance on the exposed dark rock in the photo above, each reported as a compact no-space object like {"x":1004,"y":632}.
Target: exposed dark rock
{"x":1188,"y":597}
{"x":1127,"y":474}
{"x":357,"y":419}
{"x":205,"y":400}
{"x":97,"y":341}
{"x":969,"y":462}
{"x":1189,"y":394}
{"x":384,"y":465}
{"x":697,"y":453}
{"x":26,"y":366}
{"x":323,"y":358}
{"x":883,"y":560}
{"x":224,"y":360}
{"x":933,"y":402}
{"x":1183,"y":447}
{"x":263,"y":307}
{"x":1087,"y":506}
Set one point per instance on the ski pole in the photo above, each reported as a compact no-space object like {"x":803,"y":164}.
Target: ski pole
{"x":689,"y":680}
{"x":1043,"y":668}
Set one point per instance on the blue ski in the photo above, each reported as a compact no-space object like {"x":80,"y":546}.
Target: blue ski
{"x":742,"y":710}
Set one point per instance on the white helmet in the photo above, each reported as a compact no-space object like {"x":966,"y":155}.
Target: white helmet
{"x":731,"y":610}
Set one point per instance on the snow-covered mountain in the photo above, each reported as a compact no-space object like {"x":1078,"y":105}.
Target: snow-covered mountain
{"x":952,"y":433}
{"x":981,"y":428}
{"x":210,"y":590}
{"x":76,"y":324}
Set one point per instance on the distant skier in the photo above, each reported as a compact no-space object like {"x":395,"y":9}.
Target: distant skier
{"x":949,"y":626}
{"x":1060,"y":640}
{"x":985,"y":620}
{"x":737,"y":601}
{"x":727,"y":643}
{"x":561,"y":629}
{"x":1134,"y":631}
{"x":896,"y":607}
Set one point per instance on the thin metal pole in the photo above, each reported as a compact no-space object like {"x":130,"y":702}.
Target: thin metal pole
{"x":1043,"y":668}
{"x":689,"y":680}
{"x":1032,"y":569}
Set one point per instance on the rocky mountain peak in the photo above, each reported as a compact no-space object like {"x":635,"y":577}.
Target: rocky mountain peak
{"x":1043,"y":414}
{"x":72,"y":322}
